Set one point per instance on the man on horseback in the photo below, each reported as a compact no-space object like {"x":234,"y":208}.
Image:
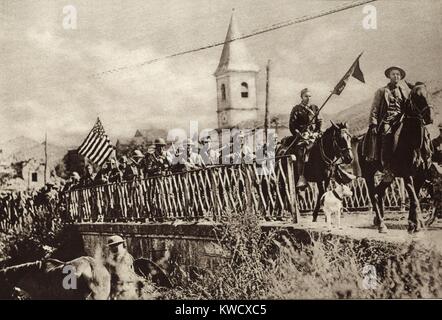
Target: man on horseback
{"x":305,"y":125}
{"x":386,"y":114}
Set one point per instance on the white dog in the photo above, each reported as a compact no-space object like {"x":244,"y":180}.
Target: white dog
{"x":333,"y":203}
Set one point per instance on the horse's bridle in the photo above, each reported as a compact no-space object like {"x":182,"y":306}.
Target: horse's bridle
{"x":336,"y":146}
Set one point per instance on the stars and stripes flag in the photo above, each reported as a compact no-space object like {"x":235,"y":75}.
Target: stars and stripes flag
{"x":354,"y":71}
{"x":96,"y":147}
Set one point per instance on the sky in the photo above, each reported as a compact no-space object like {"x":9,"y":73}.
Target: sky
{"x":49,"y":82}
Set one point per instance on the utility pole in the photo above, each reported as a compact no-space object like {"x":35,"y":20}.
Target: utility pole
{"x":266,"y":116}
{"x":46,"y":157}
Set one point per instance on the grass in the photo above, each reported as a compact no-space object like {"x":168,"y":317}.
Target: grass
{"x":273,"y":266}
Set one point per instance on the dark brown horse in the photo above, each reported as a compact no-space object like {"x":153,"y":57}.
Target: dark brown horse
{"x":411,"y":159}
{"x":331,"y":148}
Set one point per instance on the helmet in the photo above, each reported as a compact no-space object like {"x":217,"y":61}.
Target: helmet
{"x":123,"y":159}
{"x":75,"y":175}
{"x":206,"y":139}
{"x":189,"y":142}
{"x":114,"y":240}
{"x":138,"y":154}
{"x":160,"y":142}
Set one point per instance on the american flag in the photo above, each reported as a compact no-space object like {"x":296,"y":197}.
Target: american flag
{"x":96,"y":147}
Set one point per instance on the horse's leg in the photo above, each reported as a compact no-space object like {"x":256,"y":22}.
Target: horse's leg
{"x":414,"y":212}
{"x":369,"y":181}
{"x":379,"y":201}
{"x":419,"y":181}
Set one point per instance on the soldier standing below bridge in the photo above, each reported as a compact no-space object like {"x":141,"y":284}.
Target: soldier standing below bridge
{"x":119,"y":262}
{"x":305,"y":124}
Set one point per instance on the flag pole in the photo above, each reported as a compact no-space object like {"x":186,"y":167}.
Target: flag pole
{"x":266,"y":117}
{"x":333,"y":91}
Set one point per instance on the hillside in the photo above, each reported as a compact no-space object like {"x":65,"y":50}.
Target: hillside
{"x":23,"y":148}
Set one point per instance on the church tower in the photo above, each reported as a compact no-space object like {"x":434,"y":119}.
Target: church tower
{"x":235,"y":81}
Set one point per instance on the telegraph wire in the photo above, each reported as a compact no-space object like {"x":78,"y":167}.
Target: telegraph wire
{"x":255,"y":33}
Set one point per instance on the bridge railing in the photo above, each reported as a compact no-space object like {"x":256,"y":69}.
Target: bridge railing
{"x":208,"y":193}
{"x":192,"y":195}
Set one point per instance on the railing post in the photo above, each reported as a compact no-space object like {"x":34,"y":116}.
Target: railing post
{"x":293,"y":205}
{"x":402,"y":194}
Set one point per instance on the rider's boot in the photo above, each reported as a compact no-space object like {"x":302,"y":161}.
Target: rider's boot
{"x":302,"y":182}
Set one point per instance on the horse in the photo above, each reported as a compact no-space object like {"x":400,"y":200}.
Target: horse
{"x":332,"y":146}
{"x":44,"y":279}
{"x":407,"y":161}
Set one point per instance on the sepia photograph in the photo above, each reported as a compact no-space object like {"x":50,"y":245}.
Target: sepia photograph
{"x":232,"y":153}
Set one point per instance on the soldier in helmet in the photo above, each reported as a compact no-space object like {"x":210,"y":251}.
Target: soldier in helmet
{"x":157,"y":162}
{"x":115,"y":174}
{"x":73,"y":182}
{"x":305,"y":125}
{"x":87,"y":180}
{"x":138,"y":163}
{"x":119,"y":263}
{"x":129,"y":170}
{"x":208,"y":154}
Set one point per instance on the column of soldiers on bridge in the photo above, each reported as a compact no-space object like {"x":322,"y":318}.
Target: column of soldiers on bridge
{"x":159,"y":161}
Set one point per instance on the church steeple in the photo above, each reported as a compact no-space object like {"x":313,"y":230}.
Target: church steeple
{"x":236,"y":81}
{"x":235,"y":56}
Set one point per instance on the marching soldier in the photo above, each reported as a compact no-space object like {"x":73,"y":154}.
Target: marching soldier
{"x":157,"y":161}
{"x":386,"y":113}
{"x":73,"y":182}
{"x":208,"y":154}
{"x":137,"y":163}
{"x":305,"y":125}
{"x":129,"y":171}
{"x":188,"y":159}
{"x":102,"y":176}
{"x":88,"y":178}
{"x":241,"y":152}
{"x":115,"y":174}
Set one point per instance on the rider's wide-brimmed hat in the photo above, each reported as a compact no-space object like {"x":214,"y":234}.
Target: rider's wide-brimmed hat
{"x":388,"y":70}
{"x":114,"y":240}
